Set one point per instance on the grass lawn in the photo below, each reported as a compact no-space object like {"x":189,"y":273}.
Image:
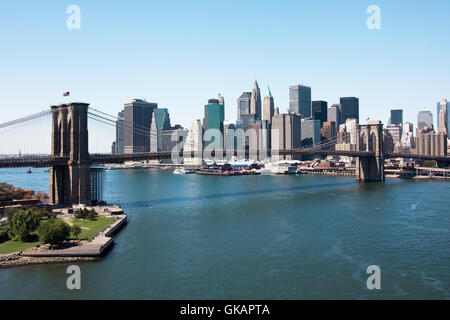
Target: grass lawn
{"x":90,"y":228}
{"x":16,"y":246}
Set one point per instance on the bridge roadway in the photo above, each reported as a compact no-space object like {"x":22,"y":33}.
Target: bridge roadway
{"x":48,"y":161}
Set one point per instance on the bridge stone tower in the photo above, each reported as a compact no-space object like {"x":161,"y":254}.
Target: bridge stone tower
{"x":70,"y":183}
{"x":370,"y":139}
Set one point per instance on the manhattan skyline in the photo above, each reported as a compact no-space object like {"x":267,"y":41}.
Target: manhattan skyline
{"x":150,"y":50}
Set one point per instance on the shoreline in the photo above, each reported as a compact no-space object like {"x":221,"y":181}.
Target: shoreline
{"x":92,"y":251}
{"x":18,"y":260}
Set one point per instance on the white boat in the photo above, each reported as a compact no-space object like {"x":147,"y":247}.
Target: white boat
{"x":209,"y":162}
{"x":179,"y":171}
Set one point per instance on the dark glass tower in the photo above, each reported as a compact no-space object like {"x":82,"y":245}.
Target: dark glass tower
{"x":214,"y":117}
{"x":320,"y":111}
{"x":397,"y":117}
{"x":349,"y":109}
{"x":137,"y":122}
{"x":300,"y":100}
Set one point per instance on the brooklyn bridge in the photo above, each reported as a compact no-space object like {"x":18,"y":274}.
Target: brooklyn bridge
{"x":70,"y":160}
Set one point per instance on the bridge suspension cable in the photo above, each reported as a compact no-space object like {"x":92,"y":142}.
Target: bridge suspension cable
{"x":112,"y":123}
{"x":111,"y":120}
{"x":115,"y":118}
{"x":25,"y":119}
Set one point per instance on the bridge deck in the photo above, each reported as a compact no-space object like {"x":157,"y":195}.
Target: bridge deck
{"x":48,"y":161}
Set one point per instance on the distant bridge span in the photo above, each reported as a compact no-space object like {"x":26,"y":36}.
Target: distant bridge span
{"x":50,"y":161}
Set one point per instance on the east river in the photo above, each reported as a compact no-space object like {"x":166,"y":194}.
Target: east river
{"x":256,"y":237}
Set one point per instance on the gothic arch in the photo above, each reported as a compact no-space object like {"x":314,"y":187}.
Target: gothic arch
{"x":372,"y":142}
{"x":363,"y":142}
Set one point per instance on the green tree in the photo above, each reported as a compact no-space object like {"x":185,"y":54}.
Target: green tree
{"x":23,"y":223}
{"x":53,"y":231}
{"x":430,"y":163}
{"x":85,"y":214}
{"x":4,"y":230}
{"x":76,"y":230}
{"x":6,"y":191}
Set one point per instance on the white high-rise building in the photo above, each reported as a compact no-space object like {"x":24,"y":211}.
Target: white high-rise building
{"x":424,"y":119}
{"x":194,"y":143}
{"x":395,"y":131}
{"x":352,"y":129}
{"x":443,"y":117}
{"x":407,"y":141}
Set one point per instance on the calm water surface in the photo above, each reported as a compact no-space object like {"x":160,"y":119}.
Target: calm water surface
{"x":256,"y":237}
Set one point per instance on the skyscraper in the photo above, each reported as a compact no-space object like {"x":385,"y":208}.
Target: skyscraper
{"x":351,"y":127}
{"x":254,"y":139}
{"x":278,"y":132}
{"x":214,"y":117}
{"x":320,"y":111}
{"x":265,"y":135}
{"x":286,"y":132}
{"x":424,"y":119}
{"x":300,"y":100}
{"x":255,"y":102}
{"x":310,"y":133}
{"x":334,"y":115}
{"x":395,"y":132}
{"x":443,"y":116}
{"x":243,"y":104}
{"x":221,"y":100}
{"x":160,"y":122}
{"x":193,"y":144}
{"x":137,"y":121}
{"x":173,"y":137}
{"x":269,"y":107}
{"x":407,"y":141}
{"x":397,"y":117}
{"x":430,"y":143}
{"x":118,"y":146}
{"x":229,"y":138}
{"x":349,"y":108}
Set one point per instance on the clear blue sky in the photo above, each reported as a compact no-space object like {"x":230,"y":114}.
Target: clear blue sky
{"x":180,"y":53}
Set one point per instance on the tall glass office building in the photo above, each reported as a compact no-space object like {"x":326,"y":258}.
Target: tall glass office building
{"x":137,"y":122}
{"x":397,"y":117}
{"x":118,"y":146}
{"x":424,"y":119}
{"x":441,"y":105}
{"x":334,"y":115}
{"x":310,"y":132}
{"x":320,"y":111}
{"x":160,"y":122}
{"x":349,"y":108}
{"x":214,"y":117}
{"x":300,"y":100}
